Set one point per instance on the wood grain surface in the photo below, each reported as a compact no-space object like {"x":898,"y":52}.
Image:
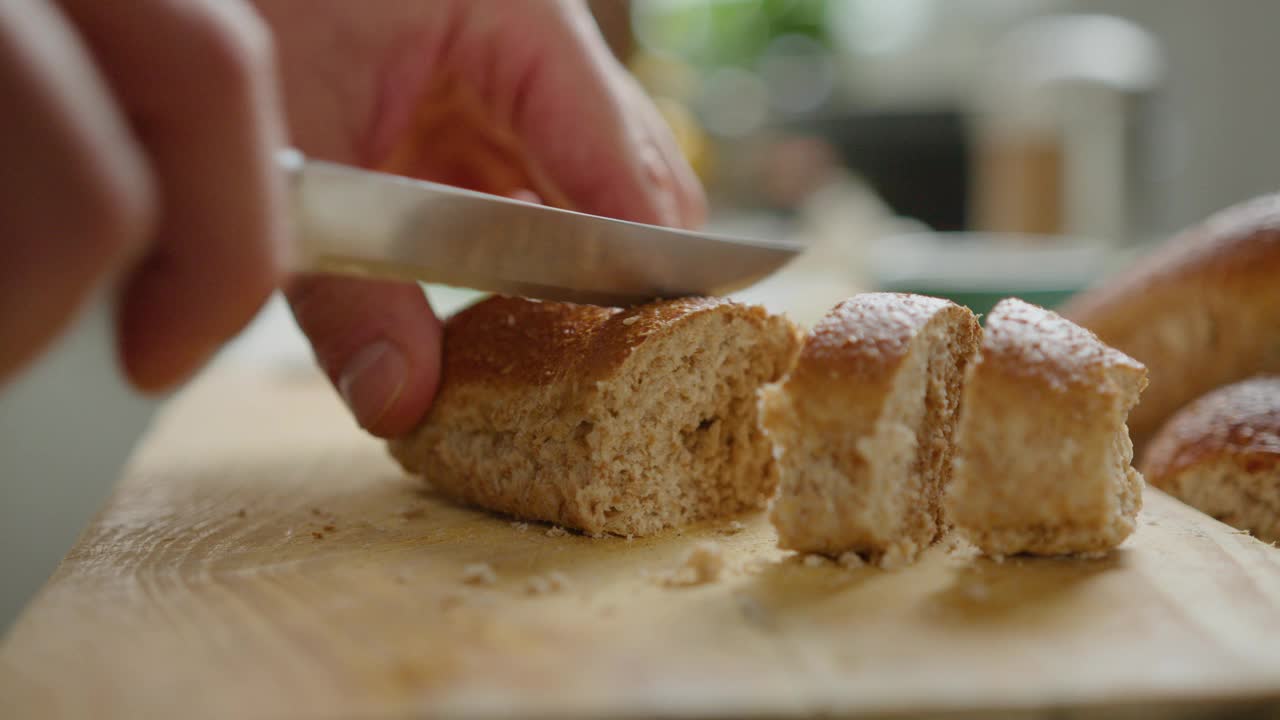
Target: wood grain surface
{"x":263,"y":559}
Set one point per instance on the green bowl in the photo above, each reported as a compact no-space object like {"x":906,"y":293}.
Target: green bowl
{"x":981,"y":301}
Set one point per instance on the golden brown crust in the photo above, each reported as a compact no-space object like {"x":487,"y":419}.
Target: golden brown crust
{"x":1239,"y":244}
{"x":1240,"y":422}
{"x":864,"y":338}
{"x":1200,"y":312}
{"x":507,"y":341}
{"x":1031,"y":342}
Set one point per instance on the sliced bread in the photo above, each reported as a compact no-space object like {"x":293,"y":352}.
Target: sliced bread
{"x":863,"y":425}
{"x":1043,"y":453}
{"x":603,"y":419}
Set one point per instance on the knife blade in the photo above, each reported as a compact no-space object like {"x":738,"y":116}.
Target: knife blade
{"x":352,"y":221}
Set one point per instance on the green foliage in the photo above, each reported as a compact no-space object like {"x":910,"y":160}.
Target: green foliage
{"x":713,"y":33}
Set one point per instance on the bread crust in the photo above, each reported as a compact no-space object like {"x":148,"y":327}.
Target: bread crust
{"x":505,"y":342}
{"x":863,"y":339}
{"x":1043,"y":348}
{"x":1240,"y":422}
{"x":1200,"y":312}
{"x":1221,"y":454}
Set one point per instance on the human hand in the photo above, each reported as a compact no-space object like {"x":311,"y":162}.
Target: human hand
{"x":138,"y":147}
{"x":514,"y":98}
{"x":145,"y":156}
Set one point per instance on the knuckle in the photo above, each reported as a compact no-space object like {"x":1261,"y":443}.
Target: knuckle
{"x":231,"y":47}
{"x":115,"y":210}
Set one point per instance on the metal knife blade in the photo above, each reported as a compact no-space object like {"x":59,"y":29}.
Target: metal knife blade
{"x":352,"y":221}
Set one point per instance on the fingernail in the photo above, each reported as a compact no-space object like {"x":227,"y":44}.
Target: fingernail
{"x":372,"y":381}
{"x":524,"y":195}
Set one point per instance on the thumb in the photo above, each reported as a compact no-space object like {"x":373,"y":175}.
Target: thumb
{"x":379,"y":343}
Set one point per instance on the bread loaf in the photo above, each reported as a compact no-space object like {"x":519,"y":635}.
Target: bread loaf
{"x":863,"y":426}
{"x":603,"y":419}
{"x":1043,"y":456}
{"x":1201,"y":312}
{"x":1221,"y":454}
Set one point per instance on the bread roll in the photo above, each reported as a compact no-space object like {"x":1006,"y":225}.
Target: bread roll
{"x":1200,"y":312}
{"x":1043,"y":456}
{"x":863,"y":426}
{"x":602,"y":419}
{"x":1221,"y":454}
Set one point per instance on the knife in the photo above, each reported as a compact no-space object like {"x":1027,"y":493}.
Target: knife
{"x":352,"y":221}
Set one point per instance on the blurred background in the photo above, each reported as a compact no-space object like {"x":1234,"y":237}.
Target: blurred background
{"x":965,"y":148}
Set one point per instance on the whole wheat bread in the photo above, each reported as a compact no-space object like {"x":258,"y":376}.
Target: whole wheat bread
{"x":603,"y":419}
{"x":1221,"y":454}
{"x":863,"y":426}
{"x":1043,"y":453}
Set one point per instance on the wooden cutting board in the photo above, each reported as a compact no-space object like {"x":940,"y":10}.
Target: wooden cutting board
{"x":261,"y":558}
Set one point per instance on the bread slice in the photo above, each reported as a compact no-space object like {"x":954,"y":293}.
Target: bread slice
{"x":1221,"y":454}
{"x":1201,"y":312}
{"x":603,"y":419}
{"x":1043,"y":452}
{"x":863,"y":426}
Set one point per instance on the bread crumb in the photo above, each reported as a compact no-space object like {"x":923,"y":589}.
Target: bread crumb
{"x":814,"y":561}
{"x":851,"y":560}
{"x":752,"y":611}
{"x":553,"y":582}
{"x":733,"y":528}
{"x":556,"y":531}
{"x":998,"y":558}
{"x":242,"y":513}
{"x":479,"y":574}
{"x":537,"y":585}
{"x":520,"y":526}
{"x":631,"y":320}
{"x":895,"y":557}
{"x":680,"y":577}
{"x":702,"y":565}
{"x":707,"y":561}
{"x":958,"y":548}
